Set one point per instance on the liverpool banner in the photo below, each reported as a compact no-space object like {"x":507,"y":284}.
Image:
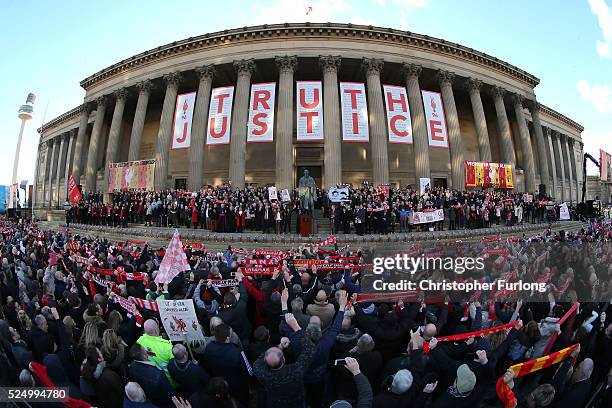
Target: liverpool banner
{"x":260,"y":127}
{"x":422,"y":217}
{"x":605,"y":160}
{"x":136,"y":175}
{"x":488,"y":175}
{"x":309,"y":111}
{"x":354,"y":112}
{"x":183,"y":116}
{"x":399,"y":124}
{"x":436,"y":122}
{"x":220,"y":116}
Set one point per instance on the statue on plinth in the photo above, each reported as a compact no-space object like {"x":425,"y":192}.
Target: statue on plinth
{"x":307,"y":190}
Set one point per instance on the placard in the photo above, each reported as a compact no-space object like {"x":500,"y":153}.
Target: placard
{"x":183,"y":119}
{"x":309,"y":111}
{"x":338,"y":194}
{"x":435,"y":120}
{"x":285,"y":197}
{"x":180,"y":320}
{"x":220,"y":116}
{"x":260,"y":126}
{"x":399,"y":122}
{"x":272,"y":193}
{"x":424,"y":184}
{"x":354,"y":112}
{"x":422,"y":217}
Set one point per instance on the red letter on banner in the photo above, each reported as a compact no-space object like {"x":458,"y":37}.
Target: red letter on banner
{"x":213,"y":133}
{"x":315,"y":101}
{"x":435,"y":130}
{"x":309,"y":116}
{"x":263,"y":126}
{"x":391,"y":102}
{"x":261,"y":96}
{"x":394,"y":129}
{"x":220,"y":98}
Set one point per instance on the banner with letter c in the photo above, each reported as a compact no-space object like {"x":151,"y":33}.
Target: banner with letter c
{"x":354,"y":112}
{"x":220,"y":116}
{"x":260,"y":127}
{"x":399,"y":123}
{"x":436,"y":122}
{"x":183,"y":118}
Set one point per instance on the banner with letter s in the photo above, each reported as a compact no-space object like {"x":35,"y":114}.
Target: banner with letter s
{"x":436,"y":122}
{"x":183,"y":118}
{"x":220,"y":116}
{"x":260,"y":126}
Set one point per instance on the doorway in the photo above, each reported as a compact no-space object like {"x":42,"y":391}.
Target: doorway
{"x":439,"y":182}
{"x":316,"y":172}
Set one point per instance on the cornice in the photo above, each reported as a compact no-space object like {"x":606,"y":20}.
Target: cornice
{"x":562,"y":118}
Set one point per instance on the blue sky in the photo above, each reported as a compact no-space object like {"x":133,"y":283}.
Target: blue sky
{"x":50,"y":46}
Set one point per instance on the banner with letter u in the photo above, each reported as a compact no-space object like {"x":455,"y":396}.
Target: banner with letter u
{"x":309,"y":111}
{"x":436,"y":122}
{"x":354,"y":112}
{"x":399,"y":123}
{"x":220,"y":116}
{"x":260,"y":127}
{"x":183,"y":118}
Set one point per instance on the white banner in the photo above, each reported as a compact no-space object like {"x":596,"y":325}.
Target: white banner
{"x":354,"y":112}
{"x":285,"y":197}
{"x":338,"y":194}
{"x":309,"y":111}
{"x":260,"y":127}
{"x":436,"y":122}
{"x":564,"y":213}
{"x":399,"y":123}
{"x":424,"y":184}
{"x":179,"y":320}
{"x":183,"y":118}
{"x":423,"y":217}
{"x":220,"y":116}
{"x":272,"y":193}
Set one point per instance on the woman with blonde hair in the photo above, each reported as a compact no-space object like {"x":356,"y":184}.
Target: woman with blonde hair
{"x":89,"y":338}
{"x":113,"y":350}
{"x":25,"y":323}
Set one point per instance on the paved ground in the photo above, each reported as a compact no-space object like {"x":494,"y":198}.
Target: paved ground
{"x":159,"y":237}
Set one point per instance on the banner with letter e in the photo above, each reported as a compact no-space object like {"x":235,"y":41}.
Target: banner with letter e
{"x":180,"y":320}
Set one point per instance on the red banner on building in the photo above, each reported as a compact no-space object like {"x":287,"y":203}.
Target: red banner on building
{"x":605,"y":160}
{"x":488,"y":175}
{"x":74,"y":195}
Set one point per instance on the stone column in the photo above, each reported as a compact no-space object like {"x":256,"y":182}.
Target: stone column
{"x":115,"y":128}
{"x":144,"y":90}
{"x":454,"y":133}
{"x":94,"y":145}
{"x":58,"y":172}
{"x":52,"y":169}
{"x":419,"y":126}
{"x":556,"y":140}
{"x":48,"y":149}
{"x":332,"y":164}
{"x":79,"y":148}
{"x":198,"y":128}
{"x":568,"y":159}
{"x":578,"y":167}
{"x":284,"y":122}
{"x":245,"y":69}
{"x":507,"y":148}
{"x":540,"y":142}
{"x":530,"y":184}
{"x":376,"y":113}
{"x":484,"y":147}
{"x":162,"y":148}
{"x":550,"y":157}
{"x":72,"y":134}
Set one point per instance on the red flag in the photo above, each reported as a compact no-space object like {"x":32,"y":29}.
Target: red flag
{"x":74,"y":195}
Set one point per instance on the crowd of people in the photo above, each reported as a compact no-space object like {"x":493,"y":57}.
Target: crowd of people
{"x":368,"y":210}
{"x":298,"y":336}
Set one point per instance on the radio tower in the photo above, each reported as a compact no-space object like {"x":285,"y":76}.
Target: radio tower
{"x":25,"y":113}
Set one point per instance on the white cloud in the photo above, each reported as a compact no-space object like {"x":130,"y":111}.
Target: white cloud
{"x":379,"y":2}
{"x":295,"y":11}
{"x":600,"y":96}
{"x":604,"y":17}
{"x":406,"y":7}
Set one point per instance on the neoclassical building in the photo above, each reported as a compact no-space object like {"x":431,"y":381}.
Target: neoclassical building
{"x":491,"y":112}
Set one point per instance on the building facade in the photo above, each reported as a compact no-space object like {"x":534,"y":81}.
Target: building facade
{"x":490,"y":108}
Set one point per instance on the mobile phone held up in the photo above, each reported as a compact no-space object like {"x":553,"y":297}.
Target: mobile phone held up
{"x":340,"y":362}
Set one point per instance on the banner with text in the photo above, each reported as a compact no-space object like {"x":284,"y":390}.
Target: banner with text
{"x":220,"y":115}
{"x":183,"y":118}
{"x":309,"y":111}
{"x":180,"y":320}
{"x":260,"y":127}
{"x":399,"y":123}
{"x":136,"y":175}
{"x":423,"y":217}
{"x":354,"y":112}
{"x":488,"y":175}
{"x":436,"y":122}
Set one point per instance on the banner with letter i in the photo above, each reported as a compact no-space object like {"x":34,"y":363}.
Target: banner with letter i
{"x":183,"y":117}
{"x":220,"y":116}
{"x":260,"y":127}
{"x":399,"y":123}
{"x":309,"y":111}
{"x":436,"y":122}
{"x":354,"y":112}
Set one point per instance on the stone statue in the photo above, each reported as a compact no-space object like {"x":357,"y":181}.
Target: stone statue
{"x":307,"y":190}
